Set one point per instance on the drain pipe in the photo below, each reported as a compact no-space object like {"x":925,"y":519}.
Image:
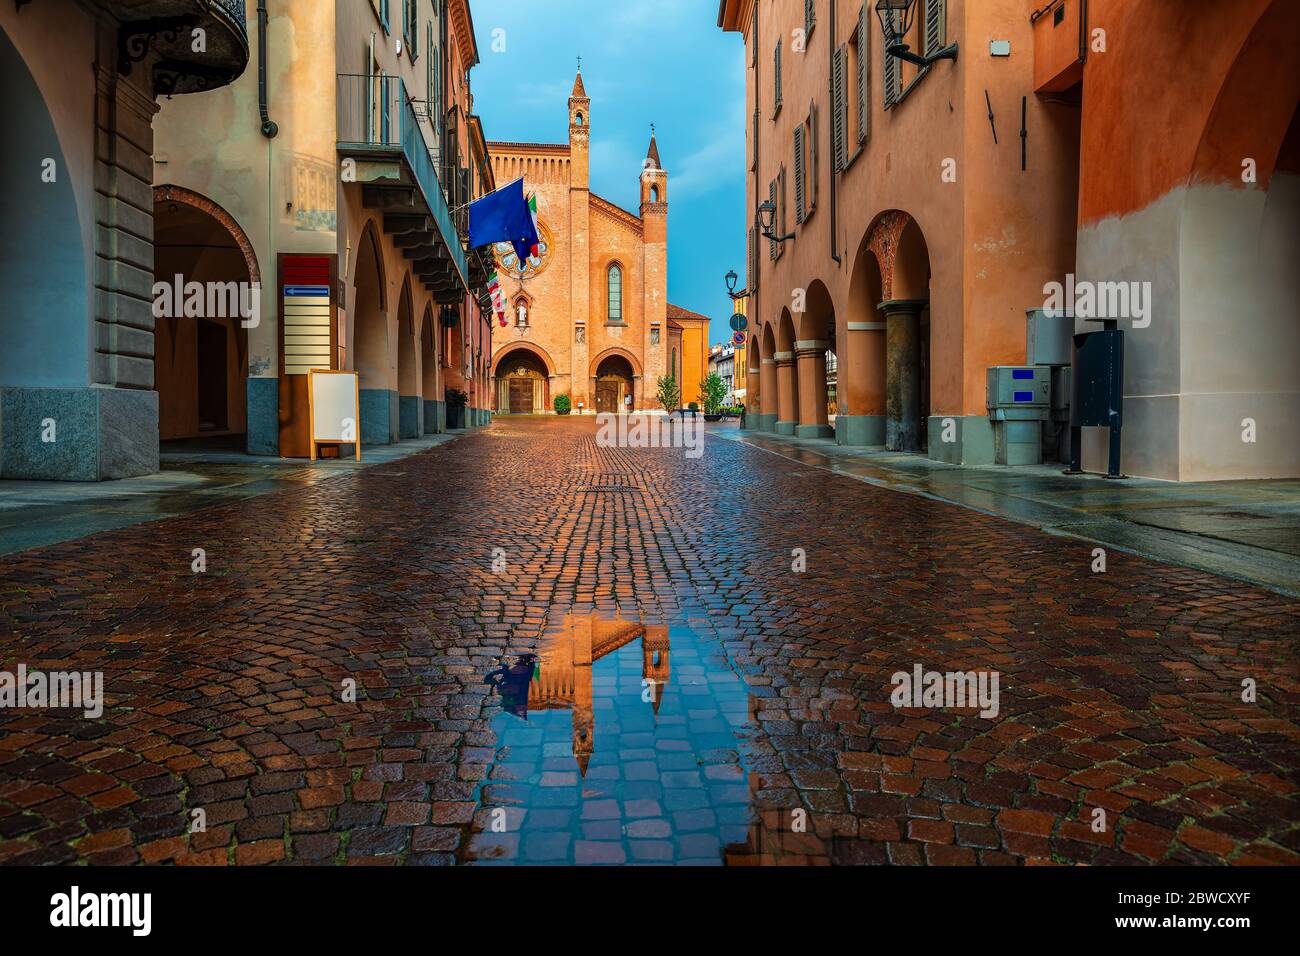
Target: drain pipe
{"x":269,"y":127}
{"x":831,"y":129}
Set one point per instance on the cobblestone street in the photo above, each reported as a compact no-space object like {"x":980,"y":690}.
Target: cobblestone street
{"x":1120,"y":691}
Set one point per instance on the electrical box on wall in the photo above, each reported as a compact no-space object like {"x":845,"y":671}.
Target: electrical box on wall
{"x":999,"y":48}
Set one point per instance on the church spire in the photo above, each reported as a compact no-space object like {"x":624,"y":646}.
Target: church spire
{"x":652,"y":155}
{"x":578,"y":89}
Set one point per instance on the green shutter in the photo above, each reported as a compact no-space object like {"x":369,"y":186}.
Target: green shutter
{"x":800,"y":196}
{"x":809,"y":16}
{"x":864,"y":74}
{"x":772,"y":245}
{"x":838,"y":109}
{"x":777,"y":76}
{"x":889,"y":74}
{"x":934,"y":25}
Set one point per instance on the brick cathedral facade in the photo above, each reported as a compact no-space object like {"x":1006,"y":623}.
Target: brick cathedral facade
{"x":588,"y":316}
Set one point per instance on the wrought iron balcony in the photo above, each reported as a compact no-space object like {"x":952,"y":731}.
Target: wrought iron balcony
{"x":190,"y":45}
{"x":381,"y":129}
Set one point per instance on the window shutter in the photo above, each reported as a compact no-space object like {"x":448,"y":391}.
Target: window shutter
{"x":753,"y":258}
{"x":777,"y":76}
{"x":799,"y":191}
{"x":864,"y":74}
{"x":809,"y":16}
{"x":772,"y":245}
{"x":889,"y":73}
{"x":753,"y":162}
{"x":754,"y":35}
{"x":813,"y":140}
{"x":934,"y":25}
{"x":784,"y":218}
{"x":838,"y":151}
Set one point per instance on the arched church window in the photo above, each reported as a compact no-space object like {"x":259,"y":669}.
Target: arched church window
{"x":578,"y":118}
{"x":654,"y":193}
{"x":615,"y":288}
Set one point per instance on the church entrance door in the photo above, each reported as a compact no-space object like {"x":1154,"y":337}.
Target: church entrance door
{"x":521,"y":396}
{"x":608,"y":398}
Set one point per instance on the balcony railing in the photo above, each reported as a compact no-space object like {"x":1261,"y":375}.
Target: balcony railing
{"x":375,"y":115}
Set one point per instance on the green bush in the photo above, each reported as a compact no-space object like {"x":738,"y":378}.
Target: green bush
{"x":563,"y":404}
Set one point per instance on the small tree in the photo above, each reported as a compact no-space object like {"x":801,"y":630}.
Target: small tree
{"x":668,"y":395}
{"x":714,"y":390}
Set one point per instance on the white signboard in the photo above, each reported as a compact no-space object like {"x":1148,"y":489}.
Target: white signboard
{"x":334,"y":399}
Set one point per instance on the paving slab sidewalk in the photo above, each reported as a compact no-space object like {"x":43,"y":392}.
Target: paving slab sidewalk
{"x":35,"y":514}
{"x":1247,"y":530}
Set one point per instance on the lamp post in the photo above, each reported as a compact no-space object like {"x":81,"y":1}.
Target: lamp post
{"x":896,"y":20}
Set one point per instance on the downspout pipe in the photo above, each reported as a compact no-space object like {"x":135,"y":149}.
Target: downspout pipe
{"x":269,"y":126}
{"x":830,"y":128}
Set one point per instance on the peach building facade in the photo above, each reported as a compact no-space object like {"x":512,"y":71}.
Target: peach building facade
{"x":925,"y":211}
{"x":588,"y":316}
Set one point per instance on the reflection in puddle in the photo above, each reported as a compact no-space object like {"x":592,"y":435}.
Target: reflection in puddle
{"x":618,"y":743}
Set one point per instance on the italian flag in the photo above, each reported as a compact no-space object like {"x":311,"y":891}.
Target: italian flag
{"x":498,"y":298}
{"x":532,"y":211}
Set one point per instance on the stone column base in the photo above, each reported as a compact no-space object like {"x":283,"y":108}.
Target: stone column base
{"x":814,"y":431}
{"x":432,"y":417}
{"x":408,"y":416}
{"x":263,"y":416}
{"x":860,"y":430}
{"x":379,"y":416}
{"x":972,"y":439}
{"x":97,"y":433}
{"x":785,"y":428}
{"x":765,"y":422}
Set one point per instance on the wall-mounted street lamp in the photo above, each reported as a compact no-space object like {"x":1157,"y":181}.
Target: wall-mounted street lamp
{"x":767,"y":220}
{"x":896,"y":20}
{"x":731,"y":279}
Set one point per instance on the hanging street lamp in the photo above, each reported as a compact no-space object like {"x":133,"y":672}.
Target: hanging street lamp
{"x":897,"y":17}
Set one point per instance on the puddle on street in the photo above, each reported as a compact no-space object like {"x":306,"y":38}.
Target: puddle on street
{"x":618,"y":742}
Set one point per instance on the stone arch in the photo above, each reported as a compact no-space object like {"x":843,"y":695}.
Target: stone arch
{"x":523,"y":380}
{"x":616,"y":350}
{"x":814,"y":350}
{"x":897,"y":242}
{"x":429,"y":393}
{"x":614,"y":381}
{"x":371,"y":357}
{"x":767,"y":379}
{"x":43,"y":264}
{"x":410,"y":405}
{"x":861,"y":374}
{"x":787,"y":375}
{"x":536,"y":349}
{"x":179,"y":194}
{"x":200,"y":359}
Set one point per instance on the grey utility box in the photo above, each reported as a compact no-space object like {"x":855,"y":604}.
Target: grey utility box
{"x":1048,"y":336}
{"x":1019,"y":401}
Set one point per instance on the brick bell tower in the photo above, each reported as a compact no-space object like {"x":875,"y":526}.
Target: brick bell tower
{"x":579,"y":246}
{"x":654,"y":218}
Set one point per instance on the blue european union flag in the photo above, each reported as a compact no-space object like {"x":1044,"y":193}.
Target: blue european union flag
{"x":503,"y":216}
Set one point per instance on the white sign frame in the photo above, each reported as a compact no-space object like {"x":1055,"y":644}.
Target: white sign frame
{"x":332,"y":403}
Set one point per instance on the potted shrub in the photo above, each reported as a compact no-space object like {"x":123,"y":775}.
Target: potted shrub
{"x":714,"y":389}
{"x":455,"y":400}
{"x":668,"y":394}
{"x":563,"y":404}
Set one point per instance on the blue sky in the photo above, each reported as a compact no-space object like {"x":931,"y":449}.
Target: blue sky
{"x":663,"y":62}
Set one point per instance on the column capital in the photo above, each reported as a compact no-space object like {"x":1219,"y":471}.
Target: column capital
{"x":779,"y":357}
{"x":866,"y":326}
{"x":903,"y":306}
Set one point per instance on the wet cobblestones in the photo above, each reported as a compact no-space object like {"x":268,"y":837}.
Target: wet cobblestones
{"x":224,"y":689}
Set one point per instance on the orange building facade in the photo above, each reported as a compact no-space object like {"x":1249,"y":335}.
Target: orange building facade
{"x":588,"y":315}
{"x":926,"y":210}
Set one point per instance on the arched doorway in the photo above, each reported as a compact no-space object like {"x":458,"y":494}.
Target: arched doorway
{"x":816,"y":364}
{"x":523,"y":387}
{"x":614,"y":384}
{"x":370,"y":345}
{"x":200,"y":341}
{"x":897,"y":242}
{"x":861,"y":374}
{"x":408,"y":377}
{"x":787,"y":376}
{"x":768,"y":387}
{"x":429,"y":372}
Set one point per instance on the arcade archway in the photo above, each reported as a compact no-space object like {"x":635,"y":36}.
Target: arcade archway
{"x":523,"y":387}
